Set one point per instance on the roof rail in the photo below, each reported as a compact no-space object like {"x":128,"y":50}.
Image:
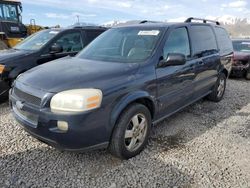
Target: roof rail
{"x":147,"y":21}
{"x":200,"y":19}
{"x":88,"y":26}
{"x":135,"y":22}
{"x":83,"y":25}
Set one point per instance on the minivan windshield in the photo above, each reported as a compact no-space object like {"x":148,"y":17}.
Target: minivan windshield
{"x":37,"y":40}
{"x":125,"y":45}
{"x":241,"y":46}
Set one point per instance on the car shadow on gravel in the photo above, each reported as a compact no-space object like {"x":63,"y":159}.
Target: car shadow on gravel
{"x":193,"y":121}
{"x":38,"y":165}
{"x":4,"y":108}
{"x":46,"y":167}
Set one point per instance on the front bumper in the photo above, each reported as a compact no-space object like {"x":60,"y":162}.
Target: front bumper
{"x":86,"y":130}
{"x":239,"y":70}
{"x":4,"y":87}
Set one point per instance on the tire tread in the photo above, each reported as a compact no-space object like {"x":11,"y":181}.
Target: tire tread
{"x":116,"y":144}
{"x":213,"y":96}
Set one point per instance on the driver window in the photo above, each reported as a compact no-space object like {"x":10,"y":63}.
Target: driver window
{"x":70,"y":42}
{"x":177,"y":42}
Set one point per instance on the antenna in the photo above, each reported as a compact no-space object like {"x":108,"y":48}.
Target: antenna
{"x":78,"y":19}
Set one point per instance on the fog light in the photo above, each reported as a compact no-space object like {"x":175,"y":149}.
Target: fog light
{"x":62,"y":125}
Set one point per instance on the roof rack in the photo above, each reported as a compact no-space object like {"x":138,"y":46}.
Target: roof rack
{"x":135,"y":22}
{"x":88,"y":26}
{"x":83,"y":25}
{"x":203,"y":20}
{"x":147,"y":21}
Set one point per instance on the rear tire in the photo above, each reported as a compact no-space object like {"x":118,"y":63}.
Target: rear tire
{"x":219,"y":89}
{"x":131,"y":132}
{"x":248,"y":74}
{"x":3,"y":46}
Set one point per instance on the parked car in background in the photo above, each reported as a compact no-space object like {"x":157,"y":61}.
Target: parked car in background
{"x":241,"y":63}
{"x":41,"y":47}
{"x":127,"y":79}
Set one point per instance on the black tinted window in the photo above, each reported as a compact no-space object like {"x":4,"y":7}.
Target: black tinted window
{"x":203,"y":38}
{"x":177,"y":42}
{"x":224,"y":42}
{"x":70,"y":42}
{"x":92,"y":34}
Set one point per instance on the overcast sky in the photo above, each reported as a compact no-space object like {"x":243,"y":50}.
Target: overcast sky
{"x":64,"y":12}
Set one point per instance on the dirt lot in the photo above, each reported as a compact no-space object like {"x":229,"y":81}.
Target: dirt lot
{"x":205,"y":145}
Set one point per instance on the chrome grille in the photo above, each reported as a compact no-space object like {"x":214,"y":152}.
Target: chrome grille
{"x":27,"y":97}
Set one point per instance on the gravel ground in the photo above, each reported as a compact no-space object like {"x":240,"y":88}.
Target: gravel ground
{"x":205,"y":145}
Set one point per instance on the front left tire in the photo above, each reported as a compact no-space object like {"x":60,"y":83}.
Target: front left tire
{"x":131,"y":132}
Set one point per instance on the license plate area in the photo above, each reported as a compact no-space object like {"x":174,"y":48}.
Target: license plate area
{"x":32,"y":119}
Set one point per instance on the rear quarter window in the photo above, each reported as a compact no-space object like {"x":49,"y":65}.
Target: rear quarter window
{"x":203,"y":38}
{"x":92,"y":34}
{"x":224,"y":42}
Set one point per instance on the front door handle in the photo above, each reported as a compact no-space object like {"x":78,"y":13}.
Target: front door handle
{"x":201,"y":63}
{"x":192,"y":67}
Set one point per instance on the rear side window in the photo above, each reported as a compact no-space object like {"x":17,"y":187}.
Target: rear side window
{"x":92,"y":34}
{"x":203,"y":39}
{"x":224,"y":42}
{"x":70,"y":42}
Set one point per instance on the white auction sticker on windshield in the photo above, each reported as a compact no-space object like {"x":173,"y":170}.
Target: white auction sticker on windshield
{"x":53,"y":32}
{"x":150,"y":33}
{"x":245,"y":43}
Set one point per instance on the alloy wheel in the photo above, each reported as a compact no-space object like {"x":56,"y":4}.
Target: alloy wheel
{"x":221,"y":87}
{"x":136,"y":132}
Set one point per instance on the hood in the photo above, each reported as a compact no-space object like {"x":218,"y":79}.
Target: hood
{"x":8,"y":56}
{"x":241,"y":56}
{"x":75,"y":73}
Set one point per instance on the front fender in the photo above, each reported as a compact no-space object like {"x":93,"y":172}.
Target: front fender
{"x":15,"y":72}
{"x":226,"y":64}
{"x":125,"y":101}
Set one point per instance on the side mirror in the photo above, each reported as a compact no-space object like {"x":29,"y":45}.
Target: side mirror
{"x":56,"y":48}
{"x":173,"y":59}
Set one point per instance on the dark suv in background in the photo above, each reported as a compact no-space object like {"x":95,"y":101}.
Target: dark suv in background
{"x":44,"y":46}
{"x":241,"y":63}
{"x":127,"y":79}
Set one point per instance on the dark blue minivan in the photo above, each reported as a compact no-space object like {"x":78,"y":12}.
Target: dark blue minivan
{"x":128,"y":79}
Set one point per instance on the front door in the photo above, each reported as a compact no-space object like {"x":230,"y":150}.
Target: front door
{"x":71,"y":43}
{"x":175,"y":83}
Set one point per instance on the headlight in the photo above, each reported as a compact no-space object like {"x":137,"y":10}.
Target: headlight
{"x":78,"y":100}
{"x":2,"y":67}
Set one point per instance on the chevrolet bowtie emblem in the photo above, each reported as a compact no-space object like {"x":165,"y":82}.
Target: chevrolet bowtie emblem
{"x":19,"y":105}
